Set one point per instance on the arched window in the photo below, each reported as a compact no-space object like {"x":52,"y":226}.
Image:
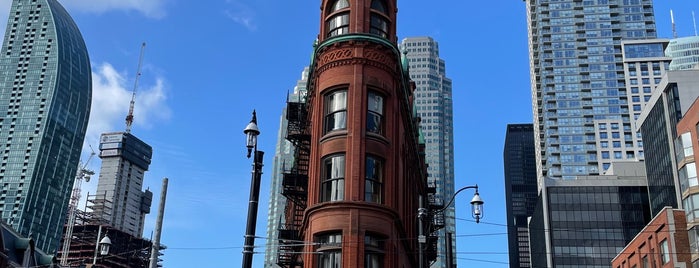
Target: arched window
{"x":338,"y":22}
{"x":379,"y":18}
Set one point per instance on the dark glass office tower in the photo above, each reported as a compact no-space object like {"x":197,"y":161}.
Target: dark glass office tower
{"x":577,"y":76}
{"x":45,"y":94}
{"x":591,"y":219}
{"x":520,"y":190}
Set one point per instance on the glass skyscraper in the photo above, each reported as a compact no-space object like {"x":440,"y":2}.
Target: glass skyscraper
{"x":283,"y":161}
{"x":45,"y":95}
{"x":520,"y":190}
{"x":577,"y":77}
{"x":433,"y":103}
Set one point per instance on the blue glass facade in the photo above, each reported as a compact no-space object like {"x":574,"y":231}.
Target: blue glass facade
{"x":45,"y":95}
{"x":578,"y":76}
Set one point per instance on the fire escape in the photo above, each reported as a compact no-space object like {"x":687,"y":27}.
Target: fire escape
{"x":435,"y":205}
{"x":295,"y":186}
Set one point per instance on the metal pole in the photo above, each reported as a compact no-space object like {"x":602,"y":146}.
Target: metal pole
{"x":155,"y":247}
{"x":97,"y":244}
{"x":249,"y":246}
{"x":450,"y":256}
{"x":421,"y":212}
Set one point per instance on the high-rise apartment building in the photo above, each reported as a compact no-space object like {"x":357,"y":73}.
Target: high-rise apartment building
{"x":520,"y":190}
{"x":359,"y":178}
{"x":433,"y":103}
{"x":644,"y":65}
{"x":283,"y":161}
{"x":45,"y":95}
{"x":119,"y":200}
{"x":577,"y":77}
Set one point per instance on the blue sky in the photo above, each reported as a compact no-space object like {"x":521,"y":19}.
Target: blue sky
{"x":208,"y":64}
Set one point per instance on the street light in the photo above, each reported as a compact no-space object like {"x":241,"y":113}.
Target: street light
{"x":476,"y":213}
{"x":105,"y":243}
{"x":102,"y":246}
{"x":251,"y":132}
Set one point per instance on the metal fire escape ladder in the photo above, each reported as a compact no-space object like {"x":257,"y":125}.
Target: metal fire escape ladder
{"x":295,"y":186}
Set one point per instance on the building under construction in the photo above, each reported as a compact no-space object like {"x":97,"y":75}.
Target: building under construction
{"x":126,"y":250}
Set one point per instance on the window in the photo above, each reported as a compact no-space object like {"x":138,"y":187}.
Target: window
{"x":338,"y":23}
{"x":605,"y":155}
{"x":688,"y":176}
{"x":373,"y":252}
{"x":645,"y":263}
{"x":379,"y":20}
{"x":336,"y":111}
{"x":373,"y":182}
{"x":329,"y":250}
{"x":664,"y":252}
{"x":333,"y":178}
{"x":374,"y":117}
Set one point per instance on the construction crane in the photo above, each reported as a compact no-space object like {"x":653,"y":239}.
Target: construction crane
{"x":129,"y":117}
{"x":83,"y":174}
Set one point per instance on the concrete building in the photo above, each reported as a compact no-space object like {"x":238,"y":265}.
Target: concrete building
{"x":433,"y":103}
{"x":577,"y":77}
{"x":359,"y":173}
{"x":644,"y":65}
{"x":283,"y":161}
{"x":684,"y":53}
{"x":45,"y":97}
{"x":662,"y":243}
{"x":119,"y":200}
{"x":520,"y":190}
{"x":658,"y":121}
{"x":590,"y":218}
{"x":686,"y":147}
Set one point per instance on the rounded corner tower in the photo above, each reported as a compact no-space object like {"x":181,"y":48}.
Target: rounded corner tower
{"x":365,"y":170}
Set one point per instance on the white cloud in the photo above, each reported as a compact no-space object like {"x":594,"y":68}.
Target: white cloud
{"x":241,"y":14}
{"x":111,"y":96}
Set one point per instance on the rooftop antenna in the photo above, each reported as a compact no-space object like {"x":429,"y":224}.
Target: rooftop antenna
{"x":694,"y":19}
{"x":129,"y":117}
{"x":672,"y":19}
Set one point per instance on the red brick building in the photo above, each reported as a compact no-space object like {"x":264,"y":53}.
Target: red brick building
{"x":359,"y":171}
{"x":662,"y":243}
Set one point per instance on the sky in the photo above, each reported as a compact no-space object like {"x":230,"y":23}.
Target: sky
{"x":208,"y":64}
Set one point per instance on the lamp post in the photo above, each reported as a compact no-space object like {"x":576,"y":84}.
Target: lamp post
{"x":251,"y":132}
{"x":102,"y":247}
{"x":476,"y":213}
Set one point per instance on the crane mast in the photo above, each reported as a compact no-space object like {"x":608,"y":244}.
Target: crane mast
{"x":82,"y":174}
{"x":129,"y":117}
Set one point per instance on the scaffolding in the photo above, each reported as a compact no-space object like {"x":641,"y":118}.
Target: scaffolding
{"x":126,"y":251}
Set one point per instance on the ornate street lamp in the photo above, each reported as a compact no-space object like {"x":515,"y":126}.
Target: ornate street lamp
{"x":251,"y":132}
{"x":476,"y":213}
